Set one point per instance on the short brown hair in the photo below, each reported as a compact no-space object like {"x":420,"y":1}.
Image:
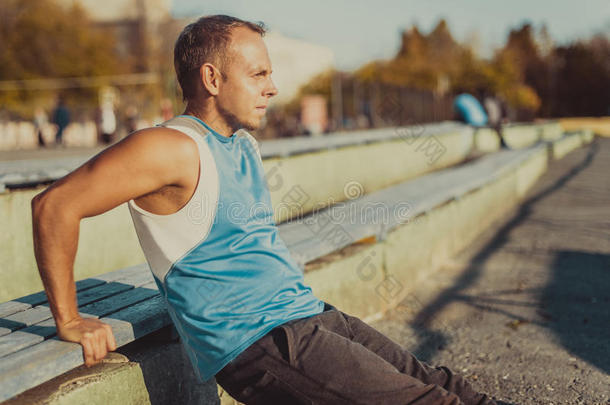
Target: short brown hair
{"x":205,"y":41}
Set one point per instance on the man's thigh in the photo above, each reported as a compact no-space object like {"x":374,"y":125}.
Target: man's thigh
{"x":393,"y":352}
{"x":314,"y":361}
{"x":407,"y":363}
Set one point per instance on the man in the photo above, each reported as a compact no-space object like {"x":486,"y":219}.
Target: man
{"x":61,"y":118}
{"x":494,"y":110}
{"x":196,"y":190}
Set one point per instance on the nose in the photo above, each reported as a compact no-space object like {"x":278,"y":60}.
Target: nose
{"x":271,"y":90}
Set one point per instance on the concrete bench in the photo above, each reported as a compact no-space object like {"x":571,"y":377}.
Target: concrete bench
{"x":31,"y":353}
{"x":30,"y":172}
{"x":128,"y":300}
{"x":516,"y":135}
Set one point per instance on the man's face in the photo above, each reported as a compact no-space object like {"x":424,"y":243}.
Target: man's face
{"x":244,"y":95}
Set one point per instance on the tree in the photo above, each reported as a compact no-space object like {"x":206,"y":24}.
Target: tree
{"x":40,"y":39}
{"x":583,"y":72}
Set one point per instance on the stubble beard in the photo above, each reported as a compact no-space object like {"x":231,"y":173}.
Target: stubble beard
{"x":235,"y":123}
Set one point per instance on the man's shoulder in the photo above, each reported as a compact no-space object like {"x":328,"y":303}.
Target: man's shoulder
{"x":164,"y":143}
{"x":162,"y":135}
{"x":162,"y":153}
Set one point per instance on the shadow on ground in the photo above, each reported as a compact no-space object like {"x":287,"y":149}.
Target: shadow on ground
{"x":573,"y":305}
{"x":577,"y":300}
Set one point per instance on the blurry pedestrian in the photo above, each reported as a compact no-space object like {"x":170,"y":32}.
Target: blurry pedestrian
{"x":41,"y":121}
{"x":107,"y":122}
{"x":494,"y":111}
{"x":61,"y":118}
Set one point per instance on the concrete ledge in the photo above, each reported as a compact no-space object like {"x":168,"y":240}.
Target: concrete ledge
{"x":550,"y":131}
{"x":520,"y":136}
{"x":486,"y":140}
{"x":516,"y":136}
{"x":33,"y":172}
{"x":565,"y":145}
{"x":319,"y":179}
{"x":529,"y":171}
{"x":154,"y":370}
{"x":587,"y":135}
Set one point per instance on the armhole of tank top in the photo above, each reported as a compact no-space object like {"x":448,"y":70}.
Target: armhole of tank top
{"x":142,"y":211}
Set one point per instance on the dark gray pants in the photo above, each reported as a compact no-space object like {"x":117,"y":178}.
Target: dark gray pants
{"x":335,"y":358}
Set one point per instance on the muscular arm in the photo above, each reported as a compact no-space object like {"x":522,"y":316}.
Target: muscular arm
{"x":142,"y":163}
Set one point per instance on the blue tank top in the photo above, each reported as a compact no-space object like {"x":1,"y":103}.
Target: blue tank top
{"x":227,"y":276}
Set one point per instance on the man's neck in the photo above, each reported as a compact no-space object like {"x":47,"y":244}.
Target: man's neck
{"x":211,"y":118}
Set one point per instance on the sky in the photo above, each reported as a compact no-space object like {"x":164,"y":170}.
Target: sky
{"x":360,"y":31}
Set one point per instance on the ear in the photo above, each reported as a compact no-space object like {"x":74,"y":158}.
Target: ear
{"x":210,"y":78}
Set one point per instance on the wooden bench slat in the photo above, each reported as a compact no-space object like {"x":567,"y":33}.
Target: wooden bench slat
{"x":118,"y":302}
{"x":100,"y":308}
{"x":24,"y":303}
{"x":10,"y":307}
{"x":138,"y":320}
{"x":23,"y":338}
{"x":17,"y":341}
{"x":26,"y":369}
{"x":39,"y":298}
{"x":43,"y":330}
{"x":25,"y":318}
{"x":40,"y":313}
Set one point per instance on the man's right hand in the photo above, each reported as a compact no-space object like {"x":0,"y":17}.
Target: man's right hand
{"x":95,"y":336}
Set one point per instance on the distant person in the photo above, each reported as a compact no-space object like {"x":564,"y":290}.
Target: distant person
{"x":469,"y":110}
{"x":61,"y":118}
{"x":107,"y":122}
{"x":41,"y":123}
{"x":234,"y":292}
{"x":367,"y":111}
{"x":495,"y":112}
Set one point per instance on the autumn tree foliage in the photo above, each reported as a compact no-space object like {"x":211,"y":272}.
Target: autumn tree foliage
{"x":531,"y":74}
{"x":39,"y":39}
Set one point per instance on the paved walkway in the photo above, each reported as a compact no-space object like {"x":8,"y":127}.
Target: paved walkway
{"x":525,"y":314}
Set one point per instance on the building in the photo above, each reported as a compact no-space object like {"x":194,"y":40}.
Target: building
{"x":138,"y":26}
{"x":295,"y":62}
{"x":146,"y":31}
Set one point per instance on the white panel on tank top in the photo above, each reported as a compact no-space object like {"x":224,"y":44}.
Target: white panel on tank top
{"x":253,"y":141}
{"x":167,"y":238}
